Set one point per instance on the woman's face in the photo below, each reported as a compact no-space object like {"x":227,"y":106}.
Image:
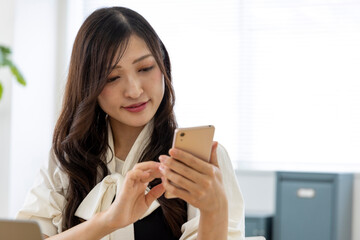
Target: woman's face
{"x":135,"y":87}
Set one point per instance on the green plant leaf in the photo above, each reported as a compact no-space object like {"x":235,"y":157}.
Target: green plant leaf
{"x":18,"y":75}
{"x":2,"y":58}
{"x":5,"y":61}
{"x":15,"y":71}
{"x":1,"y":90}
{"x":5,"y":50}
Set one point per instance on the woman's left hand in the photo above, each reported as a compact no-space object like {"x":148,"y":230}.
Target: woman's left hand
{"x":196,"y":181}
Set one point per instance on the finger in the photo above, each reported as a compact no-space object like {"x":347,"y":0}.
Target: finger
{"x":137,"y":175}
{"x":180,"y":181}
{"x":213,"y":157}
{"x":148,"y":178}
{"x":154,"y":193}
{"x":181,"y":168}
{"x":151,"y":175}
{"x":144,"y":177}
{"x":192,"y":161}
{"x":148,"y":165}
{"x":177,"y":192}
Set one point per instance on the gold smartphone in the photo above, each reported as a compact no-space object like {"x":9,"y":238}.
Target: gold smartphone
{"x":194,"y":140}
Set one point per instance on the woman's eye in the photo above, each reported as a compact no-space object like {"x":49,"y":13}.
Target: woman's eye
{"x":113,"y":79}
{"x":146,"y":69}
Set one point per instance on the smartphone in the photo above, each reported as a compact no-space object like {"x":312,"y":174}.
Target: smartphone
{"x":194,"y":140}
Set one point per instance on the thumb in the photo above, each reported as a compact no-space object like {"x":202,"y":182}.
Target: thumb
{"x":154,"y":194}
{"x":213,"y":157}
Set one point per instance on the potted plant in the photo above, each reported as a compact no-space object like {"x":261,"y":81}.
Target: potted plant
{"x":5,"y":61}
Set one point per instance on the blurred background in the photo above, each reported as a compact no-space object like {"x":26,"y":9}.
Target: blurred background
{"x":280,"y":81}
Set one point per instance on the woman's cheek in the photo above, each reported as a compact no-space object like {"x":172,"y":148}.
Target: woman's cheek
{"x":105,"y":93}
{"x":105,"y":98}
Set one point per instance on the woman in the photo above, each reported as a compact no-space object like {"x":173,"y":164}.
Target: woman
{"x":111,"y":148}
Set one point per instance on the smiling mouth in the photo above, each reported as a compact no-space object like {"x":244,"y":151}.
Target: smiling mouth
{"x":137,"y":107}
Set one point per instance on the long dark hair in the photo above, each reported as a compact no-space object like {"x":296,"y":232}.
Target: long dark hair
{"x":80,"y":140}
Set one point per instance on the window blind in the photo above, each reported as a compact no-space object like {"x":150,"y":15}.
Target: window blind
{"x":302,"y":72}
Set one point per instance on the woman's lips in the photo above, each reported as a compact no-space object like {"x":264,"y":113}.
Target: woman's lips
{"x":137,"y":107}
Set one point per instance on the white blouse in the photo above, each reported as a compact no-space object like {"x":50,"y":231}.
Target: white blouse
{"x":46,"y":200}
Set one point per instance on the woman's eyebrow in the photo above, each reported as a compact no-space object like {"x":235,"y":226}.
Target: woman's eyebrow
{"x":141,"y":58}
{"x":136,"y":60}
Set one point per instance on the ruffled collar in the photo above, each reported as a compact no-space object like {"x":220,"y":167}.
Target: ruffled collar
{"x":135,"y":152}
{"x":102,"y":195}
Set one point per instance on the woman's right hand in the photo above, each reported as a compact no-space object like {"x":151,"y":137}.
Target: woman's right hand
{"x":131,"y":201}
{"x":130,"y":204}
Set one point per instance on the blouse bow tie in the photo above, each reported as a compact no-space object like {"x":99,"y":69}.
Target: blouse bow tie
{"x":102,"y":195}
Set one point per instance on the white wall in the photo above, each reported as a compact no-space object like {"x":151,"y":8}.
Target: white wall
{"x":37,"y":32}
{"x":6,"y":38}
{"x":32,"y":108}
{"x":254,"y":183}
{"x":259,"y":190}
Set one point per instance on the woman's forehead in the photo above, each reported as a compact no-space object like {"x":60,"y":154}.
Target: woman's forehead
{"x":134,"y":51}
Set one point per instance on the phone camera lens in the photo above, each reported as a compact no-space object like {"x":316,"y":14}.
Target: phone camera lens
{"x":182,"y":134}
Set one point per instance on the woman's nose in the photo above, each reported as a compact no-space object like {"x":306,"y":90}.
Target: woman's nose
{"x":133,"y":88}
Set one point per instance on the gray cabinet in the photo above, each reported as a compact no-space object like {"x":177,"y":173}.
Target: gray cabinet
{"x":313,"y":206}
{"x":258,"y":224}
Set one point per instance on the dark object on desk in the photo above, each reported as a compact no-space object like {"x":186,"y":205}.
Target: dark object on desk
{"x":258,"y":224}
{"x":313,"y":206}
{"x":19,"y":230}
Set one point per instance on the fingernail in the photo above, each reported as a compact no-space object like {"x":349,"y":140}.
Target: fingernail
{"x":172,"y":151}
{"x":161,"y":168}
{"x":162,"y":158}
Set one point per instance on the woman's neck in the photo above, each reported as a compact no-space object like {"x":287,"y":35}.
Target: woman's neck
{"x":124,"y":138}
